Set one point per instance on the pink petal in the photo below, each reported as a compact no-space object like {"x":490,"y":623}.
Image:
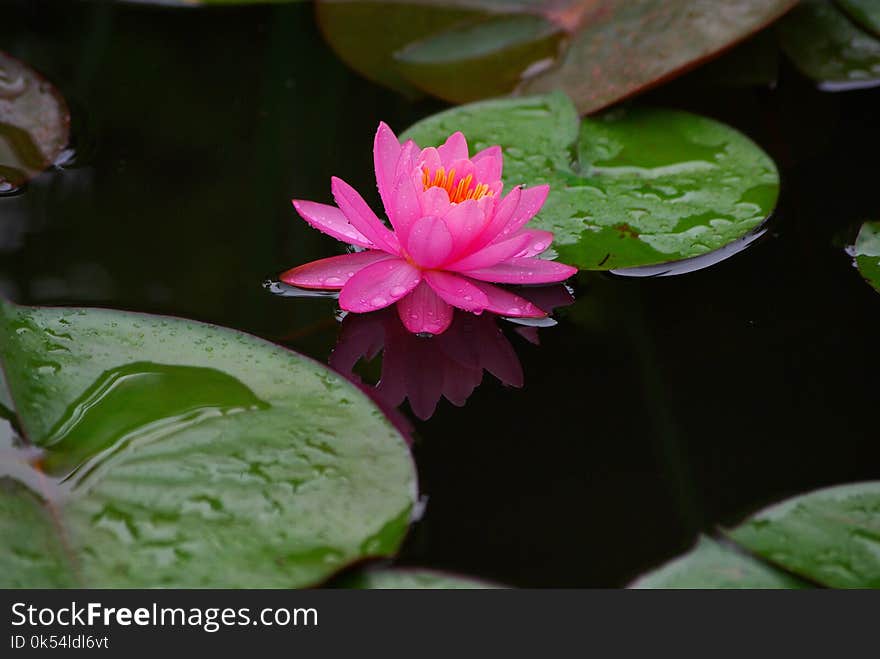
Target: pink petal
{"x":332,"y":273}
{"x":505,"y":303}
{"x":457,"y":291}
{"x":539,"y":241}
{"x":455,"y":148}
{"x":524,"y":271}
{"x":379,"y":285}
{"x":503,"y":212}
{"x":465,"y":221}
{"x":430,"y":159}
{"x":406,"y":164}
{"x":487,"y":205}
{"x":330,"y":220}
{"x":362,"y":217}
{"x":530,"y":203}
{"x":406,"y":206}
{"x":423,"y":311}
{"x":434,"y":201}
{"x":488,"y":164}
{"x":494,"y":253}
{"x":386,"y":153}
{"x":429,"y":242}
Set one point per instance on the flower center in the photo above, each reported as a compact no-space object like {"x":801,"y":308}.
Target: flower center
{"x":458,"y":191}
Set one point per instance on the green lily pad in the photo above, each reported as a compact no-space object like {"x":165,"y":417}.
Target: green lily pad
{"x":829,"y":48}
{"x":351,"y":28}
{"x":830,"y":537}
{"x":166,"y":452}
{"x":34,"y":123}
{"x":478,"y":59}
{"x":866,"y":253}
{"x":597,"y":52}
{"x":628,"y":188}
{"x":412,"y":579}
{"x":712,"y":564}
{"x":864,"y":12}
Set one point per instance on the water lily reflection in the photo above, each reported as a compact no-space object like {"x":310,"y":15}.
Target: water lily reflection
{"x":424,"y":369}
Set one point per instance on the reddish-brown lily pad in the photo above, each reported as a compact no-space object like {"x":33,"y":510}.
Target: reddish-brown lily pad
{"x":34,"y":123}
{"x":597,"y":51}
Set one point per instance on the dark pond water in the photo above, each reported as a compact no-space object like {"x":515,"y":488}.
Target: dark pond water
{"x":657,"y":408}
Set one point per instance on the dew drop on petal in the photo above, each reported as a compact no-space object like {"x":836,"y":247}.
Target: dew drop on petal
{"x":397,"y":291}
{"x":378,"y":301}
{"x":514,"y":310}
{"x":332,"y":281}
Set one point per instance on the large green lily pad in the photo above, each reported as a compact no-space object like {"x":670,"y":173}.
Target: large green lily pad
{"x":166,"y":452}
{"x":712,"y":564}
{"x":829,"y":538}
{"x":597,"y":51}
{"x":829,"y":48}
{"x":866,"y":253}
{"x":34,"y":123}
{"x":628,"y":188}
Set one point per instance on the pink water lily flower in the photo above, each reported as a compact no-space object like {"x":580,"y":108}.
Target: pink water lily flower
{"x":453,"y":237}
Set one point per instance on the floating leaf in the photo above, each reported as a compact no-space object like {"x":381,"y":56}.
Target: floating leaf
{"x":712,"y":564}
{"x":865,"y":12}
{"x":827,"y":47}
{"x":174,"y":453}
{"x":411,"y":579}
{"x":866,"y":252}
{"x":351,"y":29}
{"x":830,"y":536}
{"x":598,"y":51}
{"x":485,"y":58}
{"x":621,"y":47}
{"x":628,"y":188}
{"x":34,"y":123}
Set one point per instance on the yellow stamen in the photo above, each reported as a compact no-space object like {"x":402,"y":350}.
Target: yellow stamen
{"x":449,"y":178}
{"x":458,"y":192}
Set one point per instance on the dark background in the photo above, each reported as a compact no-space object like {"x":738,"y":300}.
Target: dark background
{"x":656,"y":409}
